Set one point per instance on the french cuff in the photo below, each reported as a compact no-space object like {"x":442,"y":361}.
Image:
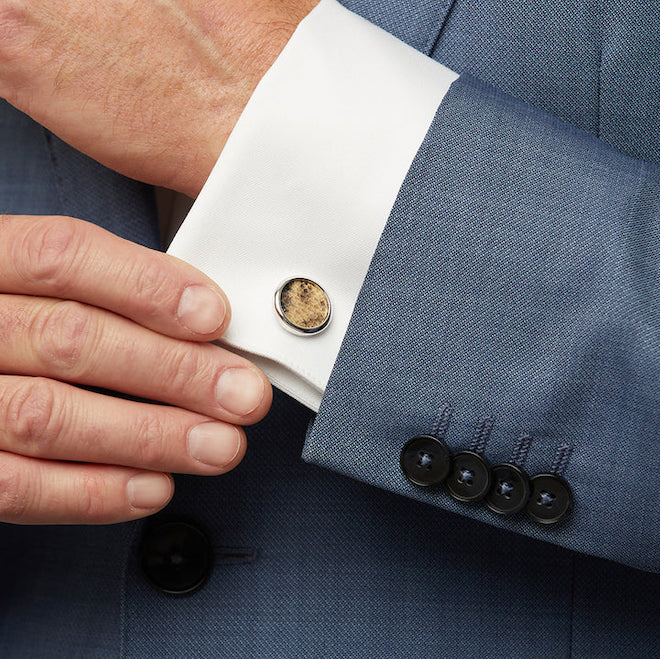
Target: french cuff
{"x":306,"y":182}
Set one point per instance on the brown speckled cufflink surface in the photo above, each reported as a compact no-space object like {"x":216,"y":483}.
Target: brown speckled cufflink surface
{"x":303,"y":305}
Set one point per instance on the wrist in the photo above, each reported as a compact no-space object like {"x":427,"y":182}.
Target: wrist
{"x":245,"y":52}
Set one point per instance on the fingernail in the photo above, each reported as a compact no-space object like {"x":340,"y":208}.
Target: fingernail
{"x":214,"y":444}
{"x":239,"y":391}
{"x":201,"y":309}
{"x":149,"y":491}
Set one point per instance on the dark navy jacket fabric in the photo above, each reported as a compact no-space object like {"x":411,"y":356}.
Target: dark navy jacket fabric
{"x":517,"y":277}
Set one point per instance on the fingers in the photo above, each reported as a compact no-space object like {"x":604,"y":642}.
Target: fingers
{"x":80,"y":305}
{"x":47,"y":419}
{"x":71,"y":259}
{"x":69,"y":341}
{"x":36,"y":491}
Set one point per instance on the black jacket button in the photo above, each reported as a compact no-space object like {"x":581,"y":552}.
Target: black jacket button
{"x":425,"y":460}
{"x":176,"y":557}
{"x":551,"y":500}
{"x":509,"y":491}
{"x":470,"y":478}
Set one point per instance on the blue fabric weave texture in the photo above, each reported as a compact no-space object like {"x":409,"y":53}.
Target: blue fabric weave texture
{"x":335,"y":567}
{"x":529,"y":295}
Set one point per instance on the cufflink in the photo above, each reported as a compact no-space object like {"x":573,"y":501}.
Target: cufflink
{"x":302,"y":306}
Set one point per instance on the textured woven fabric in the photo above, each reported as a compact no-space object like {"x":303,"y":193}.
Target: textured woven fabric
{"x":529,"y":294}
{"x":346,"y":570}
{"x":342,"y":568}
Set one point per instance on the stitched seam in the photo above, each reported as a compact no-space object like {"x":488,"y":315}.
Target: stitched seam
{"x":434,"y":38}
{"x":520,"y":450}
{"x":599,"y":80}
{"x":234,"y":555}
{"x":562,"y":457}
{"x":59,"y":182}
{"x":482,"y":434}
{"x":122,"y":601}
{"x":442,"y":421}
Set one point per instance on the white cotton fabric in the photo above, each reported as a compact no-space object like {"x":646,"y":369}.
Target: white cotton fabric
{"x":305,"y":184}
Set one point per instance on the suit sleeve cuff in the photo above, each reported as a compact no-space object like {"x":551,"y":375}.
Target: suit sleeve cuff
{"x":306,"y":183}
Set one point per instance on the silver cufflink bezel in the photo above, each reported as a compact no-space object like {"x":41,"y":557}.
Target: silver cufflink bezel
{"x":287,"y":323}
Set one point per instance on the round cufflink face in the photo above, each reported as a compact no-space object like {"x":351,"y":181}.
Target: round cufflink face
{"x":509,"y":491}
{"x":469,"y":479}
{"x":303,"y":306}
{"x":551,"y":500}
{"x":425,"y":460}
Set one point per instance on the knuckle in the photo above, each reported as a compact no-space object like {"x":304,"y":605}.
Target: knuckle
{"x":151,"y":437}
{"x":31,"y":417}
{"x":91,"y":497}
{"x":60,"y":333}
{"x":151,"y":285}
{"x":16,"y":492}
{"x":48,"y":251}
{"x":184,"y":367}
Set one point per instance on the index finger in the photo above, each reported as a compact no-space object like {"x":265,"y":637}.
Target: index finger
{"x":71,"y":259}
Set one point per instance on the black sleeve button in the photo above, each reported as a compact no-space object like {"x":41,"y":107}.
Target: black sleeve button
{"x":470,"y":478}
{"x":176,"y":557}
{"x":509,"y":491}
{"x":551,"y":500}
{"x":425,"y":460}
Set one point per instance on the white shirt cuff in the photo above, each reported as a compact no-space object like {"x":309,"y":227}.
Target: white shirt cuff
{"x":305,"y":184}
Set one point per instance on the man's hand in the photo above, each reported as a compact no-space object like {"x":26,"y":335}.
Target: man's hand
{"x":150,"y":89}
{"x":80,"y":305}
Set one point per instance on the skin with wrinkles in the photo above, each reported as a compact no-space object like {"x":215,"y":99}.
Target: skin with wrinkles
{"x":79,"y":305}
{"x":151,"y":89}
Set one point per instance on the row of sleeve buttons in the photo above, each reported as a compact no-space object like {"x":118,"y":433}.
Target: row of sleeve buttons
{"x":505,"y":488}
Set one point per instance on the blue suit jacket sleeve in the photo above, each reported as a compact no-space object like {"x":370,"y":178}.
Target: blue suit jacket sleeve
{"x":518,"y":278}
